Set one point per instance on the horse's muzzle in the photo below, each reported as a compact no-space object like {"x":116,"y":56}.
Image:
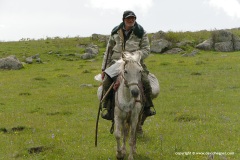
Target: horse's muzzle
{"x":135,"y":92}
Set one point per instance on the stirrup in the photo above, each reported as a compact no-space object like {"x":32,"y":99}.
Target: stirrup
{"x":105,"y":115}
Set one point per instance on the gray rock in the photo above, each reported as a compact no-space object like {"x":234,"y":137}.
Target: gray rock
{"x":29,"y":60}
{"x":206,"y":45}
{"x":192,"y":54}
{"x":222,"y":36}
{"x":87,"y":56}
{"x":38,"y":60}
{"x":158,"y":46}
{"x":174,"y":51}
{"x":10,"y":62}
{"x":158,"y":35}
{"x":236,"y":43}
{"x":36,"y":56}
{"x":185,"y":43}
{"x":224,"y":46}
{"x":92,"y":49}
{"x":221,"y":41}
{"x":100,"y":37}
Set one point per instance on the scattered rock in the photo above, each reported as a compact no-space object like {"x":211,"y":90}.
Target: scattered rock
{"x":174,"y":51}
{"x":90,"y":52}
{"x":86,"y":85}
{"x":100,"y":37}
{"x":192,"y":54}
{"x":29,"y":60}
{"x":87,"y":56}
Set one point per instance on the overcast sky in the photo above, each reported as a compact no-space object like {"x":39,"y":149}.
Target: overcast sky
{"x":50,"y":18}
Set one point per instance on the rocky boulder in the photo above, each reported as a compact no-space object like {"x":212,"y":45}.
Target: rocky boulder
{"x":10,"y":62}
{"x":224,"y":46}
{"x":207,"y":45}
{"x":223,"y":41}
{"x":159,"y":46}
{"x":236,"y":43}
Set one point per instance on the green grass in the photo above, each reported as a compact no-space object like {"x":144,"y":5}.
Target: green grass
{"x":46,"y":112}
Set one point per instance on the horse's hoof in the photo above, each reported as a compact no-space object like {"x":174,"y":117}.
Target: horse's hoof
{"x":120,"y":156}
{"x":130,"y":157}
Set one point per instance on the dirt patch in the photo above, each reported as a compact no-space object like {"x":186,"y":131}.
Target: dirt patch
{"x":18,"y":128}
{"x":3,"y":130}
{"x":185,"y":118}
{"x":36,"y":150}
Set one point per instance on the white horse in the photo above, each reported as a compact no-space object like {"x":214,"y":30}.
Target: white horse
{"x":128,"y":104}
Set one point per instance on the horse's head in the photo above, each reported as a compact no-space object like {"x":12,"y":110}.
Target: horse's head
{"x":132,"y":73}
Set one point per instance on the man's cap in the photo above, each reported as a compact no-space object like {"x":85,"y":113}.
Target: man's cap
{"x":128,"y":13}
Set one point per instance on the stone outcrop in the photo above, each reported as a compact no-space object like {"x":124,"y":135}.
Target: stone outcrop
{"x":221,"y":41}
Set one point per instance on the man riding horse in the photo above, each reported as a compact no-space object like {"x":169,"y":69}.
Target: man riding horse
{"x":131,"y":37}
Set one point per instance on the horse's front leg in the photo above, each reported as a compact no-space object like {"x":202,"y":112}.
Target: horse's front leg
{"x":118,"y":125}
{"x":125,"y":130}
{"x":132,"y":141}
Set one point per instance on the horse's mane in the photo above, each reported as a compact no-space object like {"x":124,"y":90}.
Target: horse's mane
{"x":128,"y":58}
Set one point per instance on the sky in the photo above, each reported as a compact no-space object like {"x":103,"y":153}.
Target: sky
{"x":36,"y":19}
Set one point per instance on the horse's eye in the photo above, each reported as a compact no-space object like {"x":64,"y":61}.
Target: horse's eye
{"x":125,"y":71}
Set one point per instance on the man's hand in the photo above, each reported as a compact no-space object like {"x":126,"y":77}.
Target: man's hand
{"x":103,"y":75}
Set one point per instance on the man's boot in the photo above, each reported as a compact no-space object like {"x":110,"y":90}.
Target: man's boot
{"x":107,"y":111}
{"x":147,"y":92}
{"x":149,"y":108}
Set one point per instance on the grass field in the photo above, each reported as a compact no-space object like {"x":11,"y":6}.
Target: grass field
{"x":49,"y":110}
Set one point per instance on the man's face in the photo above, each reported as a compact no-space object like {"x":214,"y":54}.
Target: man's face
{"x":129,"y":21}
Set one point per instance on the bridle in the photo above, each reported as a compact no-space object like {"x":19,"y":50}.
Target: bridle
{"x":128,"y":84}
{"x":125,"y":80}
